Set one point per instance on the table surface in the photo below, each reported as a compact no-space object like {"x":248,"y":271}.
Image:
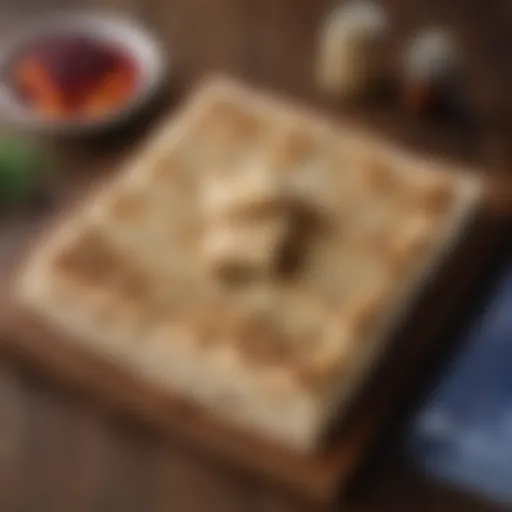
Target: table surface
{"x":59,"y":451}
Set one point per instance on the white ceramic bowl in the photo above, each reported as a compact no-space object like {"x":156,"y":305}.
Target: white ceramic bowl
{"x":116,"y":29}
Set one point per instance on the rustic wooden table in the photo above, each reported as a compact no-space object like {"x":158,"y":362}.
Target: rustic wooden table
{"x":59,"y":451}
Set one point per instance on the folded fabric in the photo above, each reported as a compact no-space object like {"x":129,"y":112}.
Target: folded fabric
{"x":463,"y":434}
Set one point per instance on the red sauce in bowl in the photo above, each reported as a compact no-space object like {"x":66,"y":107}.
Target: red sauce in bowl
{"x":73,"y":77}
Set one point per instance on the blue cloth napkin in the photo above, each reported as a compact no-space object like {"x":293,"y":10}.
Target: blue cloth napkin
{"x":463,"y":435}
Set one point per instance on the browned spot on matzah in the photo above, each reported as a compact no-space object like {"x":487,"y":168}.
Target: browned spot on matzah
{"x":380,"y":178}
{"x":208,"y":325}
{"x":220,"y":323}
{"x":315,"y":375}
{"x":130,"y":207}
{"x":363,"y":313}
{"x":292,"y":150}
{"x":229,"y":115}
{"x":164,"y":170}
{"x":90,"y":258}
{"x":228,"y":128}
{"x":263,"y":342}
{"x":133,"y":284}
{"x":436,"y":197}
{"x":174,"y":170}
{"x":402,"y":251}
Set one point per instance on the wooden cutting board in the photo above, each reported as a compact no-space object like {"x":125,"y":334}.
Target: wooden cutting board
{"x":319,"y":477}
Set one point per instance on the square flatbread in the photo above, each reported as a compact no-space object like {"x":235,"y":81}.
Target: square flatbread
{"x":346,"y":229}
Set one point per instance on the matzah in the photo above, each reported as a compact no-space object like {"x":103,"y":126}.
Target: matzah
{"x":335,"y":233}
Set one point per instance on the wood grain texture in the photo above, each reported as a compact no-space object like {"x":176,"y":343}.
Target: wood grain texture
{"x":59,"y":451}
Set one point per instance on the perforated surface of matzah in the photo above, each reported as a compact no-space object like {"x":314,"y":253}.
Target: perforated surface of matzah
{"x":128,"y":275}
